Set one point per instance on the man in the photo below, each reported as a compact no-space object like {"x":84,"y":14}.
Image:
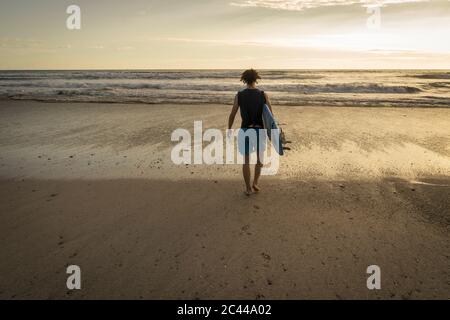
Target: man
{"x":251,"y":102}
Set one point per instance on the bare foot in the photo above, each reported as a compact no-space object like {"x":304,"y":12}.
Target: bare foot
{"x":248,"y":192}
{"x":256,"y":188}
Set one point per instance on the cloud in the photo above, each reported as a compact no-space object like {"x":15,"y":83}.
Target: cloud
{"x":380,"y":43}
{"x":20,"y":43}
{"x":299,"y":5}
{"x":64,"y":46}
{"x":96,"y":47}
{"x":125,"y":48}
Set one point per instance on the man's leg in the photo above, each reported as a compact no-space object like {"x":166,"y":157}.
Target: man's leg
{"x":247,"y":175}
{"x":258,"y":169}
{"x":260,"y":158}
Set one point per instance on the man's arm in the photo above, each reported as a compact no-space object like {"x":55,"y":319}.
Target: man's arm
{"x":269,"y":104}
{"x":233,"y":113}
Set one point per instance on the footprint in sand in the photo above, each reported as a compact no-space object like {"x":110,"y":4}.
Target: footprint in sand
{"x":52,"y":196}
{"x":245,"y":230}
{"x":266,"y":256}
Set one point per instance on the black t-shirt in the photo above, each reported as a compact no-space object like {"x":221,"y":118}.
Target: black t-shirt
{"x":251,"y":103}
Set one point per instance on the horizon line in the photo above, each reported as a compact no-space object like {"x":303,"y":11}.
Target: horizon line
{"x":235,"y":69}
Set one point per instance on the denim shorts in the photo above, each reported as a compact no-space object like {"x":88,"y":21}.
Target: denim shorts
{"x":251,"y":140}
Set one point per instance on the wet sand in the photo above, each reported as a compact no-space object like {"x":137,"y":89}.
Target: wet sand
{"x":93,"y":185}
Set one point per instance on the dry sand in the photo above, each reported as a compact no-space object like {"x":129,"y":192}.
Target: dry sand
{"x":93,"y":185}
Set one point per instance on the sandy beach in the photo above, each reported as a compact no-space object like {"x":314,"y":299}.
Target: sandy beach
{"x":93,"y":185}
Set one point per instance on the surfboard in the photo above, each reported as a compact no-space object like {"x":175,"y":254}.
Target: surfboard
{"x":271,"y":124}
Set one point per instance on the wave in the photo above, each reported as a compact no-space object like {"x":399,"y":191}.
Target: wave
{"x":288,"y":88}
{"x":346,"y":88}
{"x":440,"y":85}
{"x":227,"y":98}
{"x":149,"y":75}
{"x":442,"y":75}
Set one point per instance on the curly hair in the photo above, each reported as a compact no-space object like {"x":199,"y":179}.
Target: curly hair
{"x":250,"y":76}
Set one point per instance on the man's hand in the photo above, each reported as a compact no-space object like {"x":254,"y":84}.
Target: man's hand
{"x":233,"y":113}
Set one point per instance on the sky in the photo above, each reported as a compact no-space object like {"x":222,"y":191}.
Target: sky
{"x":226,"y":34}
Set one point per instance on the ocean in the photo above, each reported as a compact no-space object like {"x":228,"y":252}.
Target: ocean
{"x":372,"y":88}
